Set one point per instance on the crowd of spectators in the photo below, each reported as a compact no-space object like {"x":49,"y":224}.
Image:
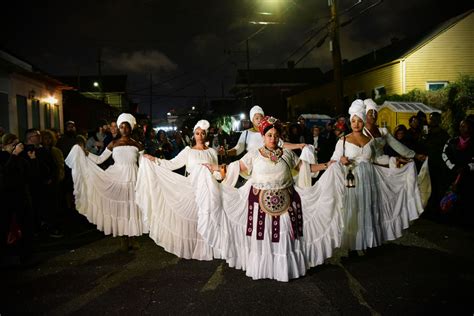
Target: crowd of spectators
{"x":36,"y":187}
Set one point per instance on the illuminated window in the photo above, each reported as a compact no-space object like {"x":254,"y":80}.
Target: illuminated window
{"x":435,"y":85}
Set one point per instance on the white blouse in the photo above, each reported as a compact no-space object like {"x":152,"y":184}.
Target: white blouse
{"x":266,"y":174}
{"x":352,"y":151}
{"x":387,"y":138}
{"x":191,"y":158}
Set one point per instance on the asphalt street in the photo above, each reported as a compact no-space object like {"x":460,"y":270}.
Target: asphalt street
{"x":429,"y":271}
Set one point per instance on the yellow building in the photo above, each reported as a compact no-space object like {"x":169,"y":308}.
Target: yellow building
{"x":429,"y":63}
{"x":392,"y":114}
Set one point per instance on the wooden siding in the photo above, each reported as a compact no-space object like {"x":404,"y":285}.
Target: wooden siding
{"x":387,"y":76}
{"x":444,"y":58}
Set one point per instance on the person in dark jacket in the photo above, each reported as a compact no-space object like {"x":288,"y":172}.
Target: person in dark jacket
{"x":434,"y":143}
{"x":40,"y":183}
{"x":458,"y":155}
{"x":16,"y":218}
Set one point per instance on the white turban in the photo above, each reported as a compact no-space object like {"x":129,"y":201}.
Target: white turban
{"x":357,"y":109}
{"x":255,"y":110}
{"x":370,"y":105}
{"x":202,"y":124}
{"x":126,"y":117}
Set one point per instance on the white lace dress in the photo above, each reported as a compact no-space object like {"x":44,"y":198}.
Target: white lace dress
{"x":168,"y":201}
{"x":107,"y":197}
{"x":424,"y":179}
{"x":274,"y":250}
{"x":383,"y":201}
{"x":384,"y":139}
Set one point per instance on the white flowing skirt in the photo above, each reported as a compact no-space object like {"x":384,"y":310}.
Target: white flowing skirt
{"x":106,"y":197}
{"x":381,"y":205}
{"x":289,"y":258}
{"x":168,"y":201}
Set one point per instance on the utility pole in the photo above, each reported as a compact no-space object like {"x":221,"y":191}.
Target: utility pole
{"x":336,"y":57}
{"x":151,"y":99}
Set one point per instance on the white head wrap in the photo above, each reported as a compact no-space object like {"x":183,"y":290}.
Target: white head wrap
{"x":370,"y":105}
{"x":357,"y":109}
{"x":255,"y":110}
{"x":202,"y":124}
{"x":126,"y":117}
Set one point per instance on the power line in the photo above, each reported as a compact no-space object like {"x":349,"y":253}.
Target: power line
{"x":295,"y":51}
{"x":219,"y":65}
{"x":318,"y":44}
{"x":343,"y":24}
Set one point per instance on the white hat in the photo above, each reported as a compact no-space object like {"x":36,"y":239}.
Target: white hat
{"x":370,"y":105}
{"x":357,"y":109}
{"x":126,"y":117}
{"x":202,"y":124}
{"x":255,"y":110}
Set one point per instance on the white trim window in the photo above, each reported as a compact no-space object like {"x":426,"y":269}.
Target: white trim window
{"x":378,"y":92}
{"x":436,"y":85}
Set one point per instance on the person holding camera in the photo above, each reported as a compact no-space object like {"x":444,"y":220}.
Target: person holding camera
{"x":16,"y":221}
{"x":45,"y":219}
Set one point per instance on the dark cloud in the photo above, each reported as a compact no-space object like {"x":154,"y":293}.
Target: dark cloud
{"x":204,"y":40}
{"x":146,"y":61}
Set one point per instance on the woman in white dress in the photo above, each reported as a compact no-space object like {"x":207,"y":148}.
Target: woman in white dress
{"x":168,"y":198}
{"x":251,"y":139}
{"x":107,"y":197}
{"x":273,"y":229}
{"x":382,"y":137}
{"x":384,"y":200}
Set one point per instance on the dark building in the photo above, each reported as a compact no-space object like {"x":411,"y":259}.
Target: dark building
{"x":269,"y":88}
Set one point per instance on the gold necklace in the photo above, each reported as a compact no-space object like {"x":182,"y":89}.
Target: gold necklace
{"x":272,"y":154}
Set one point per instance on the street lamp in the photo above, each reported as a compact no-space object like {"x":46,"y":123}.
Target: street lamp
{"x":51,"y":100}
{"x":96,"y":84}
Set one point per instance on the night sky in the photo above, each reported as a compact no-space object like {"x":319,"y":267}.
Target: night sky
{"x":195,"y":47}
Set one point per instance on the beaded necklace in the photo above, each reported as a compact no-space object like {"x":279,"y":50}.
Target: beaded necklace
{"x":272,"y":154}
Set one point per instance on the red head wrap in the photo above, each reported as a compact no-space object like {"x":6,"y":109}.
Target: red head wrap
{"x":267,"y":123}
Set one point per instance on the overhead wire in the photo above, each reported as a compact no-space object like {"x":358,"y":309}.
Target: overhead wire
{"x":343,"y":24}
